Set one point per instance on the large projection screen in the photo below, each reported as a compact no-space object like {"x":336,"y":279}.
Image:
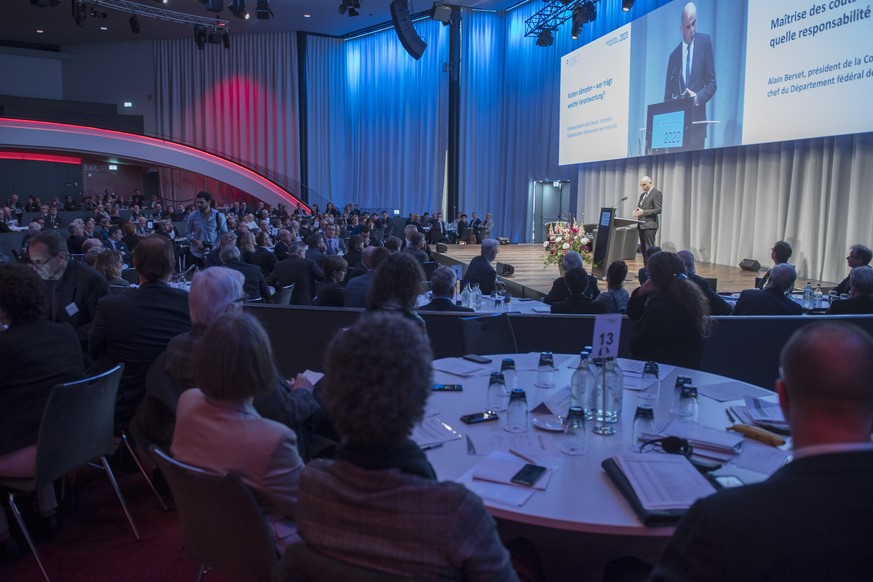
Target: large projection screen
{"x":757,"y":71}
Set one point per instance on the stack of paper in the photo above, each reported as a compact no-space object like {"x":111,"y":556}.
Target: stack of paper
{"x":463,"y":368}
{"x":664,"y":481}
{"x":491,"y":479}
{"x":432,"y":431}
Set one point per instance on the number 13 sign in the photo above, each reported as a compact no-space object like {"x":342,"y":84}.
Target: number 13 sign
{"x":607,"y":333}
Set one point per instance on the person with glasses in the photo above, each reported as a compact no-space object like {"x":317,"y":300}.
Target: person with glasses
{"x":859,"y":256}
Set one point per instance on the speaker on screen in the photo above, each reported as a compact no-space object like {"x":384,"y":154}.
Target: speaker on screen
{"x":404,"y":29}
{"x":750,"y":265}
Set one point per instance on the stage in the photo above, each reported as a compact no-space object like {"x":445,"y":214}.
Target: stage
{"x":529,"y":272}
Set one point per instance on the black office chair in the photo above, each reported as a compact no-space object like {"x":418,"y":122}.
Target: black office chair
{"x":76,"y":428}
{"x":222,"y":526}
{"x":303,"y":564}
{"x":283,"y":295}
{"x":491,"y":334}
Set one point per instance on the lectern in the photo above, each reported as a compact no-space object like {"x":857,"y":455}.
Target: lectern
{"x":616,"y":240}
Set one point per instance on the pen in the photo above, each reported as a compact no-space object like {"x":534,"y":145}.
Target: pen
{"x":523,"y":457}
{"x":729,"y":415}
{"x":433,"y":446}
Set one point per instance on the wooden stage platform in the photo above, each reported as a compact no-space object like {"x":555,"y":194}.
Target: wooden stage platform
{"x":529,"y":272}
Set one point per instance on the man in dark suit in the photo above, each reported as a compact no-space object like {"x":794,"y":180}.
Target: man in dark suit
{"x":301,"y":271}
{"x":812,"y":519}
{"x":717,"y":305}
{"x":577,"y":302}
{"x":416,"y":248}
{"x":281,"y":248}
{"x":691,"y":72}
{"x":779,"y":253}
{"x":114,"y":243}
{"x":560,"y":291}
{"x":315,"y":250}
{"x":480,"y":270}
{"x":264,"y":257}
{"x":859,"y":256}
{"x":134,"y":327}
{"x":358,"y":287}
{"x":772,"y":300}
{"x":861,"y":302}
{"x":442,"y":285}
{"x":648,"y":210}
{"x":255,"y":285}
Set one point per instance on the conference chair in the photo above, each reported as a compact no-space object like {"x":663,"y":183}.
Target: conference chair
{"x":429,"y":267}
{"x":283,"y":295}
{"x":131,"y":276}
{"x":222,"y":526}
{"x":713,"y":283}
{"x":491,"y":334}
{"x":303,"y":564}
{"x":76,"y":428}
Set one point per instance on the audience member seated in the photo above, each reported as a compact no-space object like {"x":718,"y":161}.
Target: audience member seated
{"x":643,"y":274}
{"x":416,"y":247}
{"x":771,"y":300}
{"x":717,"y":305}
{"x":393,"y":244}
{"x":76,"y":238}
{"x":358,"y":285}
{"x":576,"y":280}
{"x":247,"y":247}
{"x":560,"y":291}
{"x":675,"y":320}
{"x":765,"y":531}
{"x":861,"y":301}
{"x":38,"y":354}
{"x":859,"y":256}
{"x":297,"y":269}
{"x":480,"y":270}
{"x":218,"y":428}
{"x":263,"y":256}
{"x":255,"y":285}
{"x":396,"y":286}
{"x":72,"y":288}
{"x":330,"y":292}
{"x":367,"y":507}
{"x":315,"y":249}
{"x":134,"y":327}
{"x":108,"y":264}
{"x":465,"y":233}
{"x":780,"y":253}
{"x":356,"y":247}
{"x":442,"y":286}
{"x":616,"y":296}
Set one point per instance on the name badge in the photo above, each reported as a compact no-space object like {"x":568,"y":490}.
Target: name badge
{"x":72,"y":309}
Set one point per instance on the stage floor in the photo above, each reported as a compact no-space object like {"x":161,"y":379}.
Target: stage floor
{"x":529,"y":272}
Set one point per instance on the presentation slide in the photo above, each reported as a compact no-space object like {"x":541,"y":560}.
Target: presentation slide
{"x":718,"y":73}
{"x":809,"y":69}
{"x":595,"y":89}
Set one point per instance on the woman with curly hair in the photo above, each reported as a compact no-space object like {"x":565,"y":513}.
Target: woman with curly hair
{"x":676,"y":315}
{"x":108,"y":263}
{"x":398,"y":282}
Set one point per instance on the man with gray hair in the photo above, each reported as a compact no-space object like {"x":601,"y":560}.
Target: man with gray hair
{"x":648,"y":211}
{"x":561,"y":291}
{"x":859,"y":256}
{"x":717,"y":305}
{"x":442,"y":286}
{"x":480,"y":270}
{"x":255,"y":285}
{"x":861,"y":301}
{"x":772,"y":300}
{"x":297,"y":269}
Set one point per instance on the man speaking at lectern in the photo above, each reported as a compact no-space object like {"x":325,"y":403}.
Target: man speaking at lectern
{"x":691,"y":72}
{"x":648,"y":210}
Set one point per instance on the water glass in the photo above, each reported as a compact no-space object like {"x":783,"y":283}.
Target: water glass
{"x":546,"y":370}
{"x":510,"y":376}
{"x":688,"y":406}
{"x":644,"y":424}
{"x":516,"y":415}
{"x":575,"y":438}
{"x":650,"y":383}
{"x":497,"y":393}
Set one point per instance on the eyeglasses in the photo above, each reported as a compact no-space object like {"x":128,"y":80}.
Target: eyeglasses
{"x":42,"y":262}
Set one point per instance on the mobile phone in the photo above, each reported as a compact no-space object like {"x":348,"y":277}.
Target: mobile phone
{"x":478,"y":417}
{"x":728,"y":481}
{"x":447,"y":388}
{"x":477,"y":359}
{"x":525,"y":299}
{"x":528,"y":475}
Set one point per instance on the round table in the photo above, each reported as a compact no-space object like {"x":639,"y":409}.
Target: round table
{"x":579,"y":496}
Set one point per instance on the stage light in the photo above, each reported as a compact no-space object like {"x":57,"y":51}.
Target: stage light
{"x":238,"y":9}
{"x":350,"y":7}
{"x":200,"y":37}
{"x":576,"y":29}
{"x":263,"y":11}
{"x":79,"y":13}
{"x":545,"y":38}
{"x":587,"y":12}
{"x":134,"y":24}
{"x":626,"y":5}
{"x":225,"y":39}
{"x":441,"y":13}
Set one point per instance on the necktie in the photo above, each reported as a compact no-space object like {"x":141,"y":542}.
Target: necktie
{"x":687,"y":65}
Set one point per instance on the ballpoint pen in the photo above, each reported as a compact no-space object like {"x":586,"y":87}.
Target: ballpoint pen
{"x":433,"y":446}
{"x":523,"y":457}
{"x":729,"y":415}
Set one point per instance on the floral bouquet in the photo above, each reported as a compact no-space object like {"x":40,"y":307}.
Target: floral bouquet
{"x":564,"y":237}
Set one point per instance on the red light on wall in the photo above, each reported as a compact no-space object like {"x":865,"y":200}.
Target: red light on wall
{"x":40,"y":158}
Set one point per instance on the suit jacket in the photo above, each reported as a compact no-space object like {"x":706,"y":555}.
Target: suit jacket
{"x":418,"y":254}
{"x":811,"y":520}
{"x":717,"y":305}
{"x":265,"y":259}
{"x":356,"y":290}
{"x":134,"y":327}
{"x":75,"y":296}
{"x":480,"y":271}
{"x":666,"y":333}
{"x":280,"y":251}
{"x":560,"y":291}
{"x":228,"y":437}
{"x":329,"y":294}
{"x":651,"y":208}
{"x":578,"y":303}
{"x":304,"y":273}
{"x":766,"y":302}
{"x":444,"y":304}
{"x":315,"y":255}
{"x":254,"y":285}
{"x":41,"y":354}
{"x":860,"y":305}
{"x":845,"y":286}
{"x":340,"y":248}
{"x":702,"y":81}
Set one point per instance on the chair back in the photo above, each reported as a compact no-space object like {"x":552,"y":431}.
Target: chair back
{"x":131,"y":276}
{"x":222,"y":525}
{"x":713,"y":283}
{"x":429,"y":267}
{"x":76,"y":425}
{"x":155,"y":417}
{"x":283,"y":295}
{"x":491,"y":334}
{"x":303,"y":564}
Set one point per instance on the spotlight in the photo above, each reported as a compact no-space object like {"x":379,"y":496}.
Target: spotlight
{"x":545,"y":38}
{"x":79,"y":13}
{"x":576,"y":29}
{"x":162,"y":1}
{"x":98,"y":14}
{"x":200,"y":37}
{"x":587,"y":12}
{"x":263,"y":11}
{"x":441,"y":13}
{"x":238,"y":9}
{"x":626,"y":5}
{"x":350,"y":6}
{"x":134,"y":24}
{"x":225,"y":39}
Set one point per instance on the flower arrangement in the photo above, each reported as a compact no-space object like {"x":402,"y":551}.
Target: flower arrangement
{"x":564,"y":237}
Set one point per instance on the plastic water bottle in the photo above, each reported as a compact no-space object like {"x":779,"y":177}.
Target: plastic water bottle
{"x":593,"y":388}
{"x":614,"y":391}
{"x":477,"y":297}
{"x":817,"y":297}
{"x":808,"y":296}
{"x":465,"y":296}
{"x":578,"y":382}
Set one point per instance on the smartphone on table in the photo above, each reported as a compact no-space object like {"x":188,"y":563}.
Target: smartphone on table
{"x":529,"y":475}
{"x":447,"y":388}
{"x":478,"y":417}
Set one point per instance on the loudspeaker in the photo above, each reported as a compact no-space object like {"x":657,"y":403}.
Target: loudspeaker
{"x":504,"y":269}
{"x":404,"y":29}
{"x":502,"y":240}
{"x":442,"y":248}
{"x":750,"y":265}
